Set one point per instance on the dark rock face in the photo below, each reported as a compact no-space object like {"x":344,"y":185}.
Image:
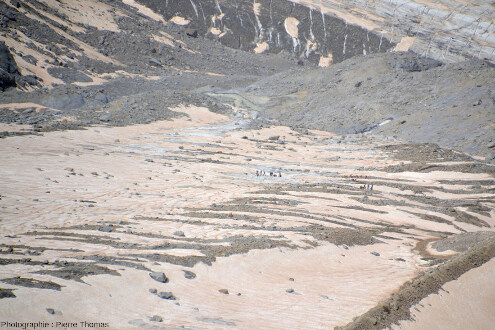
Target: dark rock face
{"x":240,"y":24}
{"x":27,"y":80}
{"x":9,"y":73}
{"x":8,"y":68}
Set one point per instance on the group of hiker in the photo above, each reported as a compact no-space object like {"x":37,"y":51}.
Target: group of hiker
{"x":263,"y":173}
{"x":353,"y":177}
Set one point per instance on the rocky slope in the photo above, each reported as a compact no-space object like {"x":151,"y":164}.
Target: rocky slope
{"x":397,"y":94}
{"x":72,"y":71}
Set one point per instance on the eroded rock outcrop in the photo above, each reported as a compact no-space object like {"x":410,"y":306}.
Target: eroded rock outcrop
{"x":273,"y":26}
{"x":8,"y":68}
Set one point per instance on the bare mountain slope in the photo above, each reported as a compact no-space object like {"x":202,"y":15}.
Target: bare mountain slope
{"x":396,"y":94}
{"x":86,"y":54}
